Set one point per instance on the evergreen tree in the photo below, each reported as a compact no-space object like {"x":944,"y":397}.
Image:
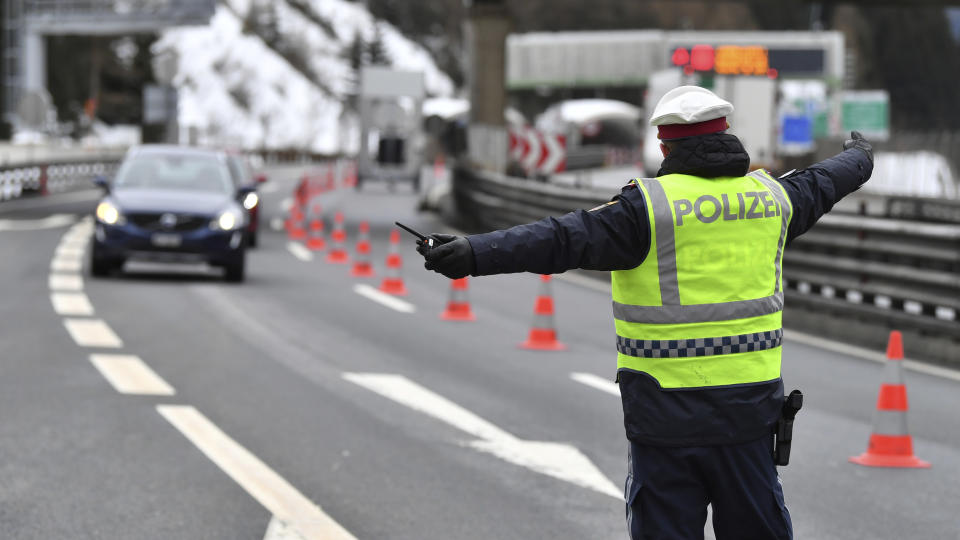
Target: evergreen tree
{"x":376,"y":50}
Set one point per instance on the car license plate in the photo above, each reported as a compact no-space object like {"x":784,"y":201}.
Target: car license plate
{"x":166,"y":240}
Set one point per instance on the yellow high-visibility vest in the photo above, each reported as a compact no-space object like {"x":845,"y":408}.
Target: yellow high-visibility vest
{"x":704,"y":308}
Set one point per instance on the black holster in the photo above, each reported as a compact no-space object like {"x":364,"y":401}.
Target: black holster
{"x":783,"y":434}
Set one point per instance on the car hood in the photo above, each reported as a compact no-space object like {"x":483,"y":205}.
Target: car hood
{"x":160,"y":200}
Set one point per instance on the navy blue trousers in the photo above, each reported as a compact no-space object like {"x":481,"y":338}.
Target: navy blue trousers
{"x":668,"y":489}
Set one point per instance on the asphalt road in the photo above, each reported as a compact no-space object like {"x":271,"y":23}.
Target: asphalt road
{"x":293,"y":406}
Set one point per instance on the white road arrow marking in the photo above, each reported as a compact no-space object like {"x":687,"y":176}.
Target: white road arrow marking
{"x":49,"y":222}
{"x":561,"y":461}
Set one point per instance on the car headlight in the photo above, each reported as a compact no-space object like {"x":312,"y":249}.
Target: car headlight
{"x":250,"y":201}
{"x":109,"y":214}
{"x":227,"y":221}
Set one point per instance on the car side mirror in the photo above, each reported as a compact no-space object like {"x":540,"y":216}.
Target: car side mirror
{"x":260,"y":178}
{"x":101,"y":182}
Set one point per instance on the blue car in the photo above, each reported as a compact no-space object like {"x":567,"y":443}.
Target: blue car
{"x":171,"y":203}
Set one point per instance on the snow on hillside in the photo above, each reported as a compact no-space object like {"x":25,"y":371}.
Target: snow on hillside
{"x":236,"y":90}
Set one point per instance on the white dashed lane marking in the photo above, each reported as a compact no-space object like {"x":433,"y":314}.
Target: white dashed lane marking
{"x":383,"y":298}
{"x":69,"y":250}
{"x":299,"y":251}
{"x":66,"y":264}
{"x":266,"y":486}
{"x":604,"y":385}
{"x":65,"y":282}
{"x":129,"y":375}
{"x":92,"y":333}
{"x":73,"y":303}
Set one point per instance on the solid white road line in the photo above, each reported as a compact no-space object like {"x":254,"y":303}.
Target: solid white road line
{"x":867,"y":354}
{"x":49,"y":222}
{"x":92,"y":333}
{"x":561,"y":461}
{"x":129,"y":375}
{"x":383,"y":298}
{"x":599,"y":383}
{"x":71,"y":303}
{"x":66,"y":264}
{"x":260,"y":481}
{"x":65,"y":282}
{"x":299,"y":251}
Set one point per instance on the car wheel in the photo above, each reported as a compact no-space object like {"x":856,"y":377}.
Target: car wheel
{"x":101,"y":266}
{"x":234,"y":270}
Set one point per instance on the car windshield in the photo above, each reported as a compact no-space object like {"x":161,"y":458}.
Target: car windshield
{"x":175,"y":172}
{"x":242,"y":175}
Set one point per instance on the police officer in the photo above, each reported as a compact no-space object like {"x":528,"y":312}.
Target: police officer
{"x":697,"y":287}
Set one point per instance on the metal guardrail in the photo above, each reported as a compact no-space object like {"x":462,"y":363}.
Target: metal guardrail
{"x":46,"y":176}
{"x":854,"y":277}
{"x":53,"y":177}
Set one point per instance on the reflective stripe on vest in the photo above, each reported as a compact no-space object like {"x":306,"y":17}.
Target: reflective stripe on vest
{"x":717,"y":318}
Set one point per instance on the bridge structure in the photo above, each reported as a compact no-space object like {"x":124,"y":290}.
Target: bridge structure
{"x":26,"y":23}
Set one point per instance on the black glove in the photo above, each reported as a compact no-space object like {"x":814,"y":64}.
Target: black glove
{"x":856,"y":140}
{"x":450,"y":255}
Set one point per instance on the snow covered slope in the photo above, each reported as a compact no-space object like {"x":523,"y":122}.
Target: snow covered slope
{"x":237,"y":90}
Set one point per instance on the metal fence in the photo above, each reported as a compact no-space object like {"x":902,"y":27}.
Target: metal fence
{"x":852,"y":277}
{"x":46,"y":178}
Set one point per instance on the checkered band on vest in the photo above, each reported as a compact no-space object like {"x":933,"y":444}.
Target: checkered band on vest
{"x":684,"y":348}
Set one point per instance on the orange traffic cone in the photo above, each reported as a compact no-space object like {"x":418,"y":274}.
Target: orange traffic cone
{"x":458,"y":308}
{"x":393,"y":283}
{"x":890,"y":444}
{"x":361,"y":265}
{"x":316,"y":242}
{"x":338,"y":254}
{"x":543,"y":334}
{"x":331,"y":181}
{"x":351,"y":174}
{"x":295,"y":224}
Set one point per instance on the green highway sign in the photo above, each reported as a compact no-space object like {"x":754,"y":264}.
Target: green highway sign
{"x":866,"y":111}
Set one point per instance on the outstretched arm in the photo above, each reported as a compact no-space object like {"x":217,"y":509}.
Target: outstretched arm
{"x":614,"y":236}
{"x":813,"y":191}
